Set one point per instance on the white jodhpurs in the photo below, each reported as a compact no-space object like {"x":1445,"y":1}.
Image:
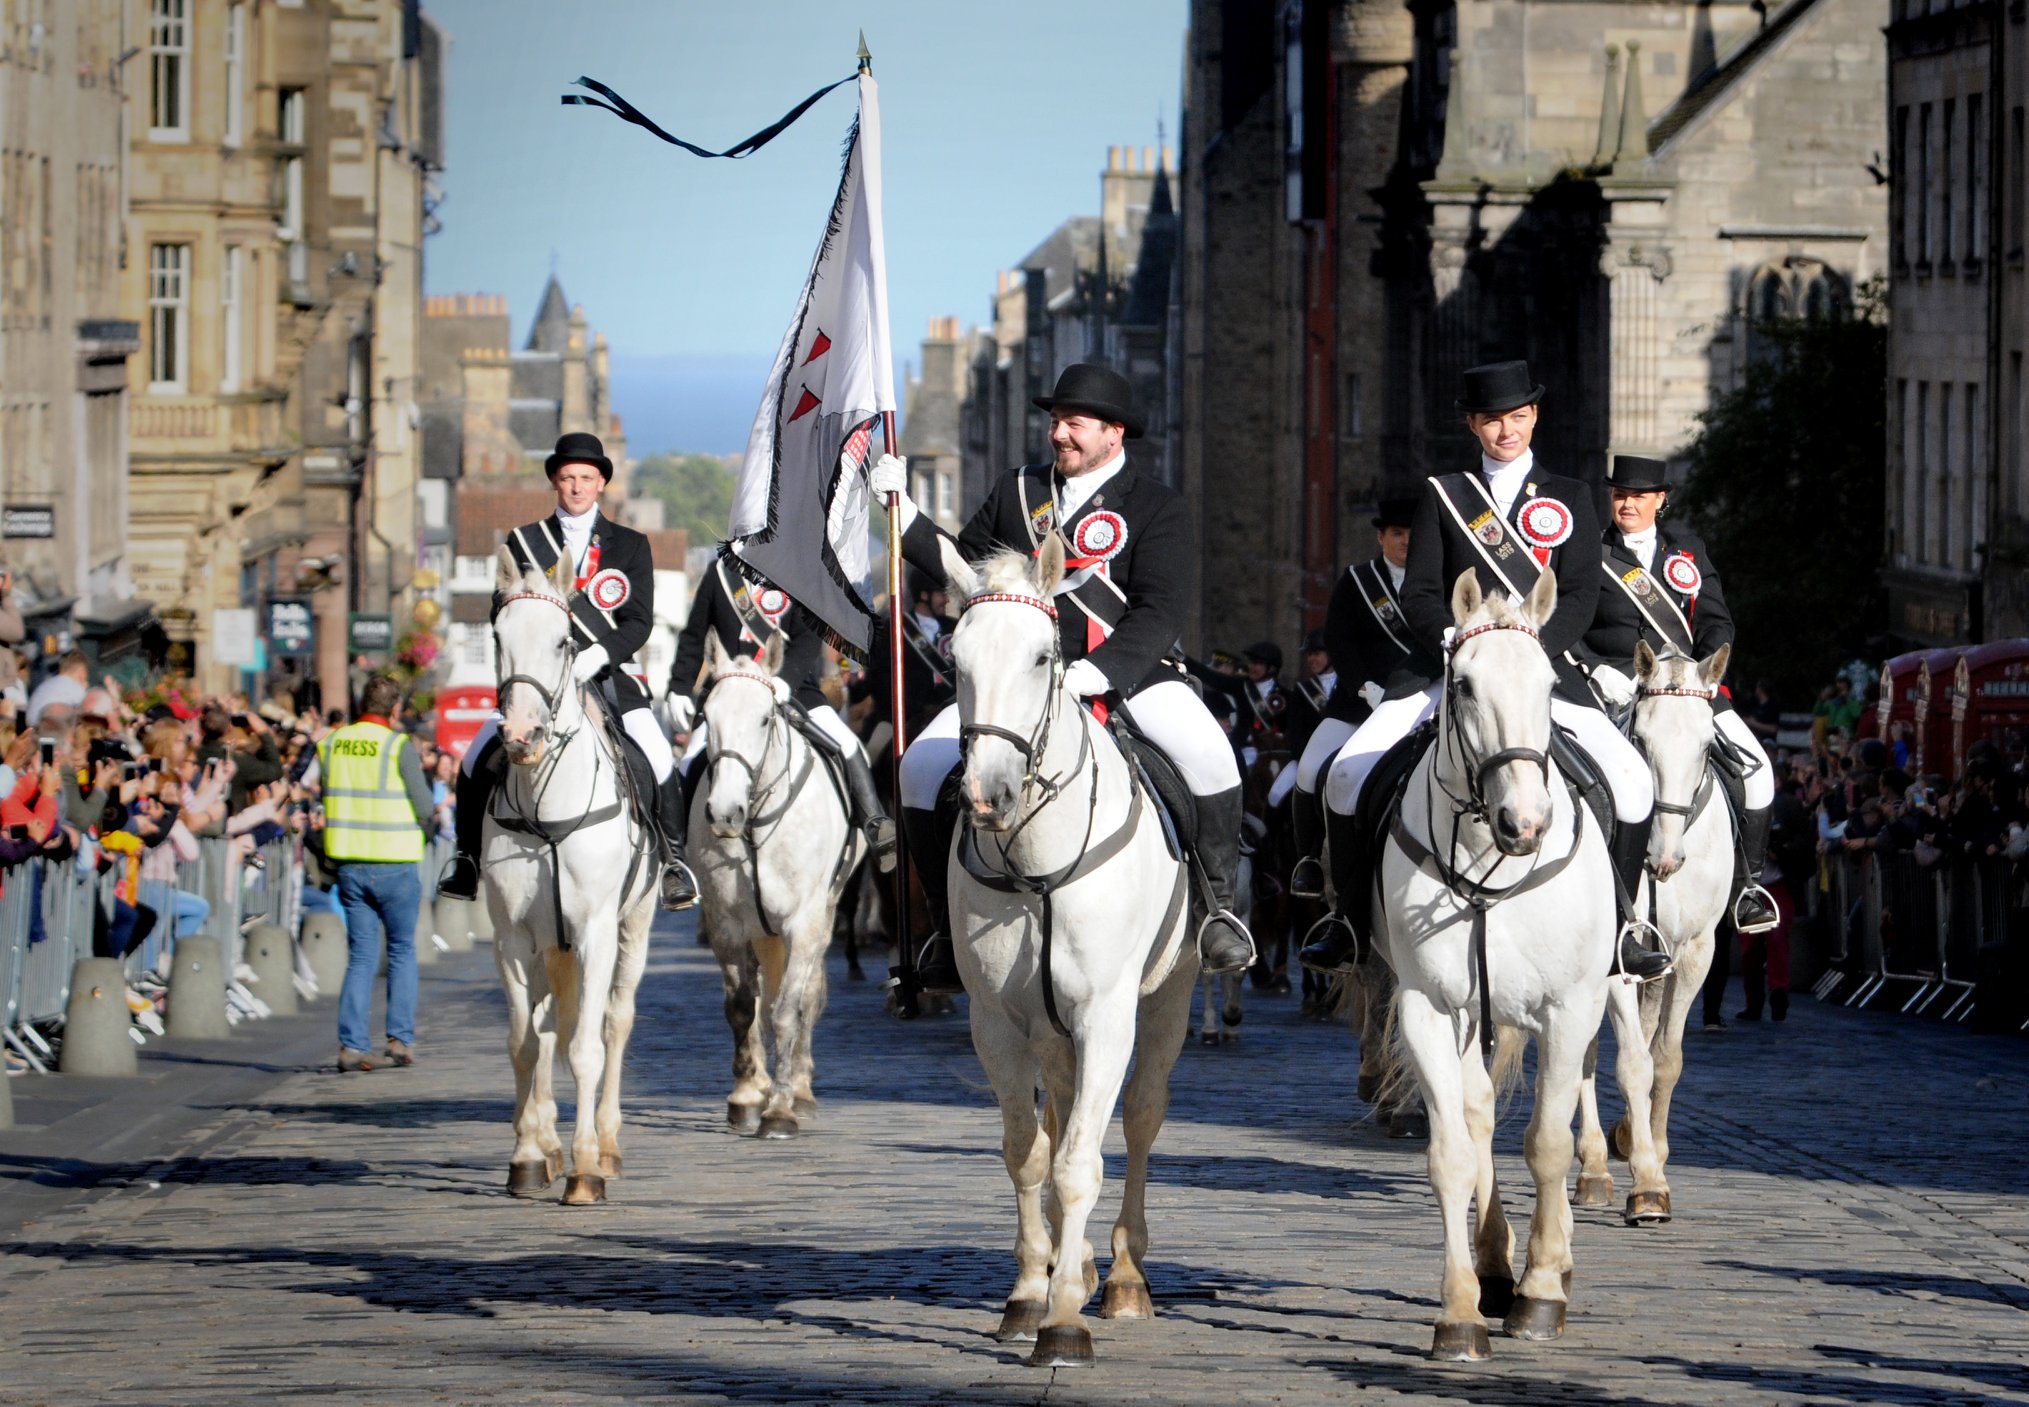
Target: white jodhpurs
{"x":1760,"y":783}
{"x":648,"y":736}
{"x":1627,"y":774}
{"x":1172,"y":715}
{"x":1318,"y":753}
{"x":826,"y":717}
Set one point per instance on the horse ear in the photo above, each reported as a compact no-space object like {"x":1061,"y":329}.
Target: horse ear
{"x":1050,"y":565}
{"x":1542,"y":602}
{"x":715,"y":657}
{"x":507,"y":573}
{"x":563,"y":578}
{"x":1713,"y":667}
{"x":959,"y":577}
{"x":1644,"y":661}
{"x":1465,"y":596}
{"x":771,"y":654}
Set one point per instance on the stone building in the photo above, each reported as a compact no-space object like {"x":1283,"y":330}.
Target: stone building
{"x":281,"y":160}
{"x":1958,"y":422}
{"x":1379,"y":194}
{"x":932,"y":406}
{"x":64,"y":338}
{"x":1095,"y":290}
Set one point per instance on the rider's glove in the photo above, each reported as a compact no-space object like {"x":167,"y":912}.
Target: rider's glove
{"x":1373,"y":693}
{"x":1085,"y":679}
{"x":682,"y":712}
{"x":890,"y":474}
{"x":588,"y":664}
{"x":1613,"y":686}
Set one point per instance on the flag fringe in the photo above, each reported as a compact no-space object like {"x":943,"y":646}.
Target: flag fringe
{"x":753,"y":576}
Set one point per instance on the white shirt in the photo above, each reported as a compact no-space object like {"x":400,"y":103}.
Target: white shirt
{"x":1395,"y":573}
{"x":1643,"y":545}
{"x":1074,"y":493}
{"x":930,"y":626}
{"x":577,"y":534}
{"x":1505,"y":481}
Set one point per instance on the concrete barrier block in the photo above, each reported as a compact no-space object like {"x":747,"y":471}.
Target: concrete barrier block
{"x":426,"y":925}
{"x":324,"y":947}
{"x":197,"y":990}
{"x":96,"y":1021}
{"x":272,"y":956}
{"x":454,"y":923}
{"x":6,"y":1102}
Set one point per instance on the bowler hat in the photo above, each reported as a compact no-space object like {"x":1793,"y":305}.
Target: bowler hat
{"x":1096,"y":390}
{"x":1497,"y":388}
{"x":1265,"y":652}
{"x":1395,"y":513}
{"x":1632,"y":473}
{"x":579,"y":447}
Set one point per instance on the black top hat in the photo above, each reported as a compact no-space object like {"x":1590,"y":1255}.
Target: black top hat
{"x":1635,"y":474}
{"x":578,"y":447}
{"x":1096,"y":390}
{"x":1313,"y":642}
{"x":1265,"y":652}
{"x":1497,"y":388}
{"x":1395,"y":513}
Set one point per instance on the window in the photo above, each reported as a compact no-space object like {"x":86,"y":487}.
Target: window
{"x":1924,"y":193}
{"x":232,"y":354}
{"x":1898,"y":188}
{"x":2018,"y":185}
{"x":168,"y":316}
{"x":947,"y":499}
{"x":291,"y":231}
{"x":169,"y":70}
{"x":235,"y":73}
{"x":1946,"y":244}
{"x":1919,"y":524}
{"x":1352,"y":414}
{"x":1946,"y":476}
{"x":1973,"y":509}
{"x":1976,"y":179}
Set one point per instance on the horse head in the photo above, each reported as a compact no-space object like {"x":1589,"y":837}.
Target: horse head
{"x":533,"y":651}
{"x":1674,"y":726}
{"x":742,"y":711}
{"x":1010,"y":674}
{"x":1495,"y":721}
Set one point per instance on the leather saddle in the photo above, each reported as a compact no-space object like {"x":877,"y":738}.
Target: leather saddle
{"x":1386,"y":784}
{"x":1160,"y":779}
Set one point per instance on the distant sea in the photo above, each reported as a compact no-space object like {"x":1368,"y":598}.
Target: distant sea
{"x":687,"y":404}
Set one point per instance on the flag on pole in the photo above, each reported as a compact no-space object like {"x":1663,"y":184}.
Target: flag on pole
{"x":800,"y":507}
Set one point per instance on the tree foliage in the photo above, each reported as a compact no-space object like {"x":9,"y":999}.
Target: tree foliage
{"x":1787,"y":486}
{"x":696,"y":491}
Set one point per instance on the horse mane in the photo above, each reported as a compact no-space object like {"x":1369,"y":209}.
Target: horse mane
{"x":1009,"y":573}
{"x":1497,"y":610}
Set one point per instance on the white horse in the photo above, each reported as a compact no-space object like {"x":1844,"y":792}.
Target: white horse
{"x":1691,"y":877}
{"x":1489,"y":842}
{"x":570,"y":884}
{"x":1073,"y":937}
{"x":774,"y":843}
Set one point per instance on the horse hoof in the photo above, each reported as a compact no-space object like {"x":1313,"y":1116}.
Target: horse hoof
{"x":584,"y":1190}
{"x":803,"y":1108}
{"x":1594,"y":1191}
{"x":1620,"y":1140}
{"x":776,"y":1126}
{"x":1496,"y":1296}
{"x":609,"y":1165}
{"x":1369,"y":1088}
{"x":1126,"y":1300}
{"x":1535,"y":1319}
{"x":1461,"y":1343}
{"x":553,"y":1163}
{"x":1231,"y":1016}
{"x":529,"y":1179}
{"x":1020,"y":1320}
{"x":743,"y":1118}
{"x":1647,"y":1208}
{"x":1409,"y":1123}
{"x":1062,"y":1346}
{"x":1208,"y":1038}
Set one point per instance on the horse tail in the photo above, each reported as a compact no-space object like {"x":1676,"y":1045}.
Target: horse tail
{"x":1398,"y":1086}
{"x":1511,"y":1043}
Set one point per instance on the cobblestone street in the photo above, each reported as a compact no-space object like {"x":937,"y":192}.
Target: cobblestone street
{"x":1852,"y":1199}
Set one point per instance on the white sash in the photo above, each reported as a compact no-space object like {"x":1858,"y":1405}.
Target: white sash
{"x":1641,"y":588}
{"x":1390,"y":603}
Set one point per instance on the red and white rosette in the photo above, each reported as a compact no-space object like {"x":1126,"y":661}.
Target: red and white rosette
{"x":609,"y":589}
{"x":1682,"y":573}
{"x":773,"y":603}
{"x":1545,"y":523}
{"x":1100,"y":537}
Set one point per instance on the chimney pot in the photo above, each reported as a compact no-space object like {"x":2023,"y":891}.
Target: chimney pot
{"x":1148,"y":159}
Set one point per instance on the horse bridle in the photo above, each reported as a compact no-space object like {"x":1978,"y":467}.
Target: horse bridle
{"x":550,"y":696}
{"x":716,"y":752}
{"x":1704,"y":788}
{"x":1474,"y":803}
{"x":1031,"y":747}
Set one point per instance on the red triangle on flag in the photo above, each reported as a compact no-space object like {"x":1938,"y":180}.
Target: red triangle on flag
{"x":804,"y":406}
{"x":818,"y":348}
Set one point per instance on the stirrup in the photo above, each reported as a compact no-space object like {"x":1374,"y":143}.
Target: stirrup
{"x":1298,"y":887}
{"x":682,"y":867}
{"x":459,"y":867}
{"x":1774,"y":918}
{"x":1233,"y":920}
{"x":880,"y":837}
{"x":1632,"y":929}
{"x":1318,"y":933}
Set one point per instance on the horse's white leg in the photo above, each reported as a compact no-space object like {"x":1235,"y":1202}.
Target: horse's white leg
{"x":1694,"y":960}
{"x":740,"y":973}
{"x":619,"y":1026}
{"x":1428,"y":1034}
{"x":1595,"y":1179}
{"x":545,"y":1014}
{"x":1493,"y":1239}
{"x":1547,"y":1144}
{"x":591,"y":963}
{"x":793,"y":1015}
{"x":1078,"y":1170}
{"x":1164,"y":1019}
{"x":528,"y":1170}
{"x":1025,"y":1148}
{"x":1636,"y":1071}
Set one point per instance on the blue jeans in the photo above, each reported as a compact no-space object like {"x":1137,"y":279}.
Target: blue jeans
{"x":376,"y":897}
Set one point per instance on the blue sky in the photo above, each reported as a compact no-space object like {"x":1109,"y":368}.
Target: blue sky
{"x":997,"y":119}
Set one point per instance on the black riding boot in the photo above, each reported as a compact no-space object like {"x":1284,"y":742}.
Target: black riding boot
{"x":474,"y":793}
{"x":672,"y":814}
{"x":1224,"y":944}
{"x":1306,"y":818}
{"x":867,"y":812}
{"x":1336,"y":941}
{"x":930,"y":849}
{"x":1630,"y":852}
{"x":1754,"y":909}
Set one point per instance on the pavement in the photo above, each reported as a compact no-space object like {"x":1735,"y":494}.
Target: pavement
{"x":241,"y":1224}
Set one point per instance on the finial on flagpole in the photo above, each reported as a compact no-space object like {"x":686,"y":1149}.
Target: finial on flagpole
{"x":866,"y":57}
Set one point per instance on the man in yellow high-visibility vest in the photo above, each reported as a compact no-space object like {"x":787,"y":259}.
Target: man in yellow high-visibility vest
{"x":376,"y":803}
